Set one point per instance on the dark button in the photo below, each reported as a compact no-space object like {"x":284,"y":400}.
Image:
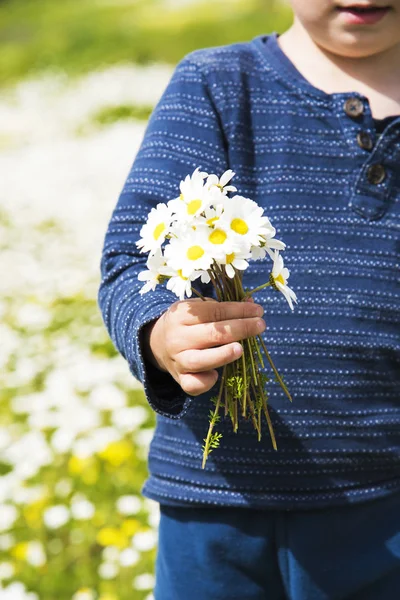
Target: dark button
{"x":376,"y":174}
{"x":364,"y":140}
{"x":353,"y":107}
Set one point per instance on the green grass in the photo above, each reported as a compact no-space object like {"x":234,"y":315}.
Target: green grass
{"x":112,"y":114}
{"x":76,"y":36}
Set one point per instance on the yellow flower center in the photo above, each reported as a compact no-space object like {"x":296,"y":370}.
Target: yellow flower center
{"x":181,"y":276}
{"x":278,"y":279}
{"x":181,"y":197}
{"x":158,"y":230}
{"x":217,"y":236}
{"x":193,"y":207}
{"x":230,"y":258}
{"x":239,"y":226}
{"x":194,"y":252}
{"x":211,"y":222}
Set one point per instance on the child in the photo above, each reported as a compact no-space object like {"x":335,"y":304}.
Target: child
{"x":309,"y":123}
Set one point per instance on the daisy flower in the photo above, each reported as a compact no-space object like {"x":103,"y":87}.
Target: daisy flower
{"x":192,"y":184}
{"x":222,"y":182}
{"x":155,"y":230}
{"x":194,"y":199}
{"x":211,"y":215}
{"x":235,"y":260}
{"x":243,"y":217}
{"x":178,"y":284}
{"x":221,"y":241}
{"x":278,"y":279}
{"x":189,"y":252}
{"x":153,"y":275}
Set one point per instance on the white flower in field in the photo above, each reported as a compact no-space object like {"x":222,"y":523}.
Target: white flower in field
{"x":82,"y":509}
{"x":33,"y":316}
{"x":129,"y":557}
{"x":129,"y":418}
{"x":128,"y":505}
{"x":107,"y":397}
{"x":8,"y":515}
{"x":63,"y":487}
{"x":26,"y":495}
{"x":235,"y":260}
{"x":5,"y":438}
{"x":156,"y":228}
{"x":7,"y":540}
{"x":152,"y":276}
{"x":222,"y":182}
{"x":108,"y":570}
{"x":189,"y":253}
{"x":16,"y":591}
{"x":84,"y":594}
{"x":278,"y":278}
{"x":143,"y":582}
{"x":7,"y":570}
{"x":110,"y":554}
{"x":56,"y":516}
{"x":144,"y":540}
{"x":35,"y":554}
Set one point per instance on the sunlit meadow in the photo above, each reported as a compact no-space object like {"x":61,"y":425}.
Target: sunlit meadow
{"x":74,"y":424}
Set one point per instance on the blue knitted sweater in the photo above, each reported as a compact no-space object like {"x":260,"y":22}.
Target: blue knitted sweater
{"x":331,"y":187}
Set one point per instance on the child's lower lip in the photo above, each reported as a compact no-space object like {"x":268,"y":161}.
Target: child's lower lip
{"x":363,"y":17}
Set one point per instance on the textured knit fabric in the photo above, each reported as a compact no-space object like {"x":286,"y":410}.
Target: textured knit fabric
{"x":227,"y":553}
{"x":295,"y":152}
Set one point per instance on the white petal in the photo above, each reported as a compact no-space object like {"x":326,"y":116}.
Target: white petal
{"x":240,"y":263}
{"x":212,"y":180}
{"x":226,"y":177}
{"x":285,"y":291}
{"x":230,"y":271}
{"x":272,"y":243}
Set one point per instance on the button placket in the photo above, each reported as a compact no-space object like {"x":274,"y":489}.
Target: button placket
{"x":371,"y":192}
{"x":370,"y":187}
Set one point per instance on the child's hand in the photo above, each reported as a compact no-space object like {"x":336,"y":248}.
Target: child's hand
{"x":193,"y":338}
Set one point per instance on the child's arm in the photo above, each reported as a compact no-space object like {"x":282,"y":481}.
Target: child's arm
{"x":193,"y":338}
{"x":184,"y":132}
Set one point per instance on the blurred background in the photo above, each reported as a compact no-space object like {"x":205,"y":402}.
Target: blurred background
{"x":79,"y":79}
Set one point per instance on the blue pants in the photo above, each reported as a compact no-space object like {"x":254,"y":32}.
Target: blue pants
{"x":345,"y":553}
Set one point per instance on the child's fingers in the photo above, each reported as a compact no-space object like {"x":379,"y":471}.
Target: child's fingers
{"x":197,"y":361}
{"x":198,"y":383}
{"x":195,"y":313}
{"x":225,"y":332}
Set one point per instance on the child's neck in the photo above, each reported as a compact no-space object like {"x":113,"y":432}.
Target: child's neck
{"x":377,"y":77}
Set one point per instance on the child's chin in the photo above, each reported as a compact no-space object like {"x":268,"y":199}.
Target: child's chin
{"x":360,"y":44}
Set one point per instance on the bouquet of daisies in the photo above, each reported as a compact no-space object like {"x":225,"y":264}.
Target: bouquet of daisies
{"x":209,"y":235}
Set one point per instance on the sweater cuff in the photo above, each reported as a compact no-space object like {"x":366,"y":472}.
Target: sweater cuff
{"x":163,"y":393}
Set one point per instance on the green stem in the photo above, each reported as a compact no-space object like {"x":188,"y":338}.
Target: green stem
{"x":244,"y":408}
{"x":212,"y":423}
{"x":198,"y":294}
{"x":259,"y":355}
{"x":216,"y":285}
{"x":279,"y":378}
{"x":257,"y":289}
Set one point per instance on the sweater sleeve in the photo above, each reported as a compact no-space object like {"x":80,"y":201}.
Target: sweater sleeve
{"x":184,"y":132}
